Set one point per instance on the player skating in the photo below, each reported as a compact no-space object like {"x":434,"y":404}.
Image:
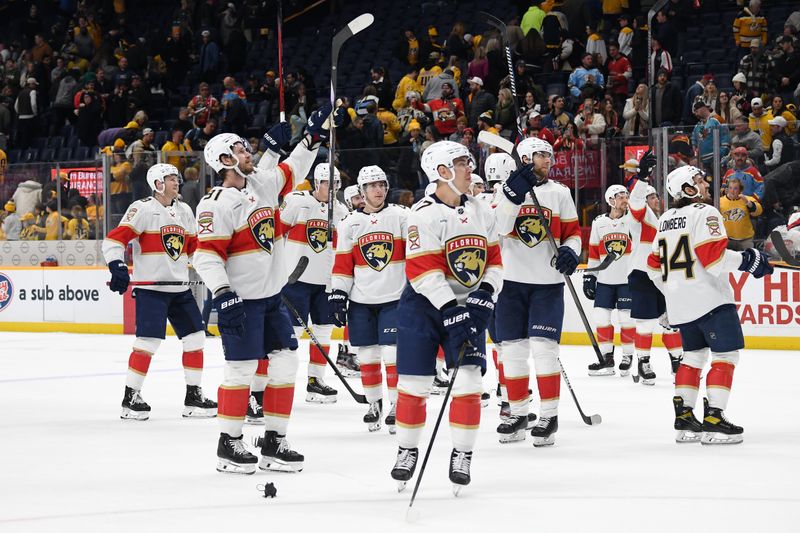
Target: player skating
{"x":162,"y":229}
{"x":689,"y":263}
{"x":454,"y":267}
{"x":368,"y":279}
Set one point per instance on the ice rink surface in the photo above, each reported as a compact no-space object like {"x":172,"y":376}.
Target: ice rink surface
{"x":70,"y":463}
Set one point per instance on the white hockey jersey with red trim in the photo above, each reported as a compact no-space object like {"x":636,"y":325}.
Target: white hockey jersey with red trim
{"x":689,"y":262}
{"x":527,"y":254}
{"x":371,"y":255}
{"x":163,"y":239}
{"x":611,"y":235}
{"x":304,"y":221}
{"x":450,"y":251}
{"x":239,"y":231}
{"x":642,"y":224}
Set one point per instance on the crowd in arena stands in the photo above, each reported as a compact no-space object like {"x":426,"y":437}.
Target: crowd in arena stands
{"x":580,"y":70}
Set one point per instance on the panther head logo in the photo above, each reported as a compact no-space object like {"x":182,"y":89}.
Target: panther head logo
{"x":466,"y":258}
{"x":377,"y":249}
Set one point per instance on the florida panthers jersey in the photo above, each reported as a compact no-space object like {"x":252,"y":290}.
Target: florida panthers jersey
{"x":304,"y":221}
{"x":371,"y":255}
{"x":689,"y":262}
{"x":611,"y":235}
{"x":239,"y":231}
{"x":527,"y":254}
{"x":163,"y":239}
{"x":642,"y":223}
{"x":450,"y":251}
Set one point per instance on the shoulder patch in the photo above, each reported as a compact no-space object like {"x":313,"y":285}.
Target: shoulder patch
{"x":712,"y":223}
{"x":205,"y":222}
{"x":130,"y":214}
{"x":413,"y":238}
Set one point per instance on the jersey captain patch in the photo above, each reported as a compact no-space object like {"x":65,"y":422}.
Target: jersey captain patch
{"x":262,"y":226}
{"x":173,"y":238}
{"x":466,"y":258}
{"x":616,"y":243}
{"x":317,"y":234}
{"x":528,"y":226}
{"x":376,"y":249}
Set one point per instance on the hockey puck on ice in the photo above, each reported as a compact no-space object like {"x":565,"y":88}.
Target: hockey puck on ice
{"x":268,"y":489}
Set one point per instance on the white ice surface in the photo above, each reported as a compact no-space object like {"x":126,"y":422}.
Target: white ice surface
{"x":69,"y":462}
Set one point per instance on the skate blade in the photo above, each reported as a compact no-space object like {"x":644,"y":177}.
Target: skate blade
{"x":313,"y":397}
{"x":517,"y":436}
{"x":541,"y":442}
{"x":687,"y":437}
{"x":714,"y":438}
{"x":457,"y":489}
{"x":484,"y":403}
{"x":271,"y":464}
{"x":392,"y":429}
{"x":229,"y":467}
{"x":609,"y":372}
{"x":128,"y":414}
{"x":649,"y":382}
{"x":401,"y":486}
{"x":254,"y":420}
{"x":199,"y":412}
{"x":348,"y":372}
{"x":374,"y":426}
{"x":624,"y":373}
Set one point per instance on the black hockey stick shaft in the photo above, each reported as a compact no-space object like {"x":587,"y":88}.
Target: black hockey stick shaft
{"x":607,"y":260}
{"x":589,"y":420}
{"x":162,"y":283}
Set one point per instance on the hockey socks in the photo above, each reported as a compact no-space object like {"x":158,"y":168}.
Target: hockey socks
{"x":138,"y":365}
{"x":718,"y":383}
{"x":687,"y":382}
{"x":193,"y":367}
{"x":232,"y":408}
{"x":605,"y":338}
{"x":465,"y":418}
{"x":410,"y":418}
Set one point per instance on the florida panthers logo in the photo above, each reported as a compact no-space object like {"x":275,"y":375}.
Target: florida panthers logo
{"x":173,"y":238}
{"x":317,"y":234}
{"x":617,"y":244}
{"x":529,"y":227}
{"x":262,"y":226}
{"x":376,"y":249}
{"x":466,"y":258}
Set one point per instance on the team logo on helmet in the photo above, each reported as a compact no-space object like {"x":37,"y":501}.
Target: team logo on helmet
{"x":6,"y":291}
{"x":173,"y":238}
{"x":617,"y":244}
{"x":466,"y":258}
{"x":376,"y":249}
{"x":317,"y":234}
{"x":262,"y":226}
{"x":529,"y":227}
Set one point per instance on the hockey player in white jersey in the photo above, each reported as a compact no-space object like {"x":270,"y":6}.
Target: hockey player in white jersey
{"x":454,"y":267}
{"x":368,"y":279}
{"x":163,"y":232}
{"x":352,"y":198}
{"x":530,"y":309}
{"x":304,"y":221}
{"x":496,"y":169}
{"x":477,"y":185}
{"x":689,"y":263}
{"x":609,"y":287}
{"x":240,"y":257}
{"x":346,"y":358}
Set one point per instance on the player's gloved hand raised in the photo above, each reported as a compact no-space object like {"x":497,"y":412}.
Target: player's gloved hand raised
{"x":566,"y":260}
{"x":480,"y":307}
{"x":119,"y":276}
{"x":646,"y":164}
{"x":316,"y":122}
{"x":756,"y":263}
{"x":590,"y":286}
{"x":338,"y":302}
{"x":519,"y":183}
{"x":458,"y":324}
{"x":230,"y":314}
{"x":278,"y":136}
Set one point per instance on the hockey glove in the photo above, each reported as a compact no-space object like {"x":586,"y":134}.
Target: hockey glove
{"x":315,"y":124}
{"x":590,"y":286}
{"x":278,"y":136}
{"x":566,"y":260}
{"x":646,"y":164}
{"x":519,"y":183}
{"x":756,"y":263}
{"x":480,"y":307}
{"x":458,"y":325}
{"x":119,"y":276}
{"x":230,"y":314}
{"x":338,"y":303}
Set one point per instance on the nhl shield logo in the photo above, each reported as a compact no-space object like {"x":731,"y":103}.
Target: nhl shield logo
{"x":616,"y":243}
{"x":262,"y":227}
{"x":317,"y":234}
{"x":173,"y":238}
{"x":376,"y":249}
{"x":466,"y":258}
{"x":529,"y":227}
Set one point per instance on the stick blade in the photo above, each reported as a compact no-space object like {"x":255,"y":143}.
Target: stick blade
{"x":412,"y":515}
{"x":495,"y":140}
{"x":596,"y":420}
{"x":298,"y":270}
{"x":361,"y":22}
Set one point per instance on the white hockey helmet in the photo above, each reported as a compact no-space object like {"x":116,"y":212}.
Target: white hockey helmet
{"x":223,"y":144}
{"x":371,"y":174}
{"x":498,"y":167}
{"x":531,"y":145}
{"x":475,"y":180}
{"x":651,"y":190}
{"x":349,"y":192}
{"x":322,"y":173}
{"x":613,"y":191}
{"x":159,"y":172}
{"x":680,"y":178}
{"x":442,"y":153}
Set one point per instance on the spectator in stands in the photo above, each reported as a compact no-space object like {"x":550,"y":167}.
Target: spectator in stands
{"x":391,"y":126}
{"x":589,"y":123}
{"x":433,"y":89}
{"x":532,"y":19}
{"x":383,"y":87}
{"x":120,"y":185}
{"x":203,"y":106}
{"x":12,"y":226}
{"x":373,"y":129}
{"x":666,"y":100}
{"x":748,"y":26}
{"x":122,"y":74}
{"x":586,"y":81}
{"x":408,"y":83}
{"x":743,"y":170}
{"x":83,"y":41}
{"x":269,"y":93}
{"x":759,"y":122}
{"x":534,"y":128}
{"x":410,"y":111}
{"x":726,"y":109}
{"x":525,"y":83}
{"x":779,"y":110}
{"x":636,"y":112}
{"x":456,"y":45}
{"x":209,"y":57}
{"x":117,"y":107}
{"x":529,"y":103}
{"x":596,"y":46}
{"x":703,"y":138}
{"x":54,"y":222}
{"x":90,"y":118}
{"x":710,"y":95}
{"x":625,"y":37}
{"x":781,"y":150}
{"x":27,"y":108}
{"x":747,"y":139}
{"x":102,"y":84}
{"x":569,"y":139}
{"x":758,"y":68}
{"x":445,"y":110}
{"x":659,"y":57}
{"x":138,"y":95}
{"x":504,"y":120}
{"x":737,"y":210}
{"x":479,"y":66}
{"x":192,"y":190}
{"x":234,"y":112}
{"x":143,"y":154}
{"x":666,"y":32}
{"x":558,"y":118}
{"x":477,"y":101}
{"x":408,"y":49}
{"x":172,"y":148}
{"x":40,"y":49}
{"x":461,"y":125}
{"x":77,"y":228}
{"x":619,"y":74}
{"x":197,"y":138}
{"x":787,"y":67}
{"x":611,"y":116}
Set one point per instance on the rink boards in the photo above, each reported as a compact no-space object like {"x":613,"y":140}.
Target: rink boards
{"x":76,"y":299}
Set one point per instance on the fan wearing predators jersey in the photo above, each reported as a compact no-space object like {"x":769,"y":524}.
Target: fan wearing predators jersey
{"x":162,"y":230}
{"x":454,"y":267}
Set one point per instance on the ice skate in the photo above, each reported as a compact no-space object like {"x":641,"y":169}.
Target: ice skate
{"x":439,"y":385}
{"x":391,"y":421}
{"x":133,"y":406}
{"x":459,"y":470}
{"x":318,"y":392}
{"x":347,"y":362}
{"x":233,"y":457}
{"x":373,"y":417}
{"x":544,"y":432}
{"x":277,"y":456}
{"x":646,"y":373}
{"x":606,"y":369}
{"x":512,"y":429}
{"x":404,"y":466}
{"x":195,"y":405}
{"x":485,"y":398}
{"x":675,"y":362}
{"x":255,"y":412}
{"x":687,"y":427}
{"x":625,"y":365}
{"x":717,"y":429}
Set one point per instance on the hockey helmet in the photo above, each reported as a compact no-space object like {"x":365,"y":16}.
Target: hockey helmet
{"x":371,"y":174}
{"x":442,"y":153}
{"x":498,"y":167}
{"x":612,"y":192}
{"x":531,"y":145}
{"x":223,"y":144}
{"x":322,"y":173}
{"x":476,"y":180}
{"x":681,"y":178}
{"x":794,"y":221}
{"x":159,"y":172}
{"x":651,"y":190}
{"x":349,"y":193}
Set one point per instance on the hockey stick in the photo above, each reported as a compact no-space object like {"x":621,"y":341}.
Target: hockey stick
{"x":501,"y":27}
{"x":281,"y":101}
{"x":162,"y":283}
{"x":783,"y":265}
{"x":783,"y":251}
{"x":409,"y":516}
{"x":592,"y":420}
{"x":604,"y":264}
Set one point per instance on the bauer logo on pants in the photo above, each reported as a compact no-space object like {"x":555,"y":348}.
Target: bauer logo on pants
{"x":617,"y":243}
{"x":466,"y":258}
{"x":317,"y":234}
{"x":262,"y":226}
{"x":173,"y":238}
{"x":376,"y":249}
{"x":529,"y":227}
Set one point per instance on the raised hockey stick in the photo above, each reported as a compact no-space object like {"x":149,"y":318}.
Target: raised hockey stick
{"x":592,"y":420}
{"x":281,"y":100}
{"x":783,"y":251}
